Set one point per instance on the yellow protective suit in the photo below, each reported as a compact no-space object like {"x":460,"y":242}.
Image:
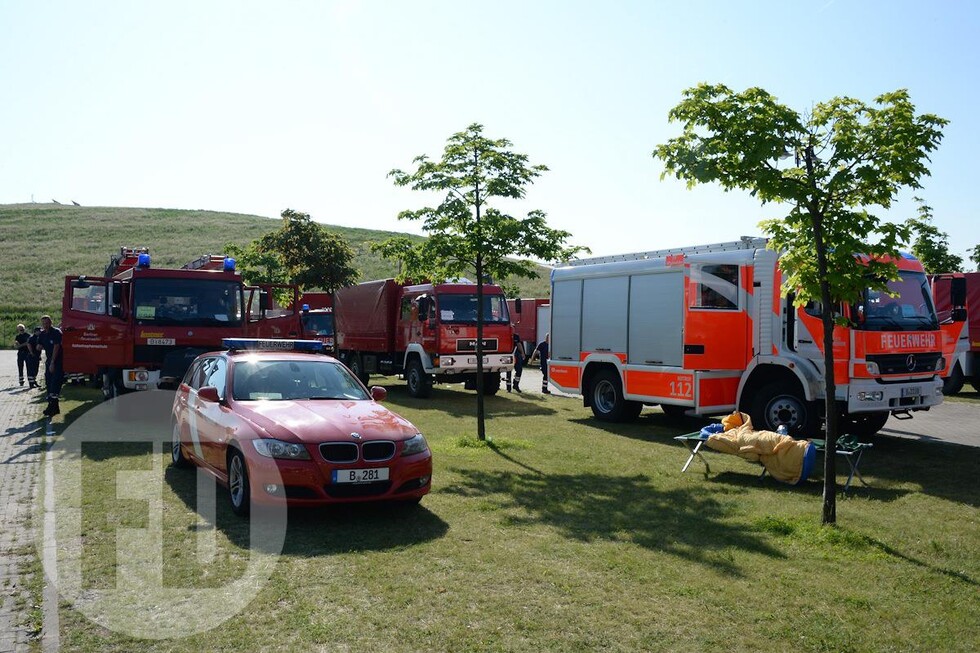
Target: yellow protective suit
{"x":781,"y":455}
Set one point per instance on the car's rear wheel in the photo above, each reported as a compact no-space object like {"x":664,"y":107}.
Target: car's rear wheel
{"x":177,"y":457}
{"x":239,"y":488}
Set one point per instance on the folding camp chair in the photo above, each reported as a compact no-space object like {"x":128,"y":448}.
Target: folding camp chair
{"x":852,"y":450}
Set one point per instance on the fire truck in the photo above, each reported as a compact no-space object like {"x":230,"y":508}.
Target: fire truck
{"x":424,"y":332}
{"x":138,"y":327}
{"x":956,"y":294}
{"x":531,"y":318}
{"x":705,"y":330}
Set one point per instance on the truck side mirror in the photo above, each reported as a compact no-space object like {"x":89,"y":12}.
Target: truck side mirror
{"x":517,"y":305}
{"x":958,"y":315}
{"x":957,"y":292}
{"x":423,"y":304}
{"x":263,"y":301}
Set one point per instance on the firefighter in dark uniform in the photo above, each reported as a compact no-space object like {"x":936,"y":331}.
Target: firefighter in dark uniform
{"x":541,"y":351}
{"x":54,"y":371}
{"x":33,"y":357}
{"x":20,"y":342}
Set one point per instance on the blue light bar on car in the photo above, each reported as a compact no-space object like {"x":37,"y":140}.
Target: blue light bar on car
{"x":272,"y":344}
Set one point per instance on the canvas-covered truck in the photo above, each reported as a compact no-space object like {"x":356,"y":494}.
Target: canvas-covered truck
{"x":955,"y":294}
{"x":139,"y":327}
{"x":709,"y":329}
{"x":424,"y":332}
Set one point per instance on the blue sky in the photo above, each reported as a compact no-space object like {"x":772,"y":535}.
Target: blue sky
{"x":254,"y":107}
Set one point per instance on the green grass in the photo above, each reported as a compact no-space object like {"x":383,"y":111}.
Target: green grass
{"x":968,"y":395}
{"x":564,"y":534}
{"x":42,"y":243}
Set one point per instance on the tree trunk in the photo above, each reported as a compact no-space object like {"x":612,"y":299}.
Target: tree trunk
{"x":481,"y":432}
{"x":830,"y":385}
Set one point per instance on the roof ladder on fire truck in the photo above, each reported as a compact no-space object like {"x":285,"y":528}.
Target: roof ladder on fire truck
{"x":128,"y":257}
{"x":206,"y":262}
{"x":746,"y":242}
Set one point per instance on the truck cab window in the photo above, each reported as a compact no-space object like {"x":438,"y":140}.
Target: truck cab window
{"x":715,"y":287}
{"x":89,"y":298}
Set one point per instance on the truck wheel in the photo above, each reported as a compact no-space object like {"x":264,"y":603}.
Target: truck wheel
{"x":608,"y":403}
{"x":953,"y":383}
{"x":864,"y":425}
{"x":357,"y":367}
{"x":419,"y":383}
{"x":774,"y":404}
{"x":112,"y":385}
{"x":491,"y":383}
{"x":673,"y":411}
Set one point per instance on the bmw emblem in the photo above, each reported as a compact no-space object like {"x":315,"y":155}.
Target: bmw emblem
{"x":910,"y":363}
{"x":356,"y":436}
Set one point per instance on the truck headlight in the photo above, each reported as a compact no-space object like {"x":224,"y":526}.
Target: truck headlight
{"x":872,"y":368}
{"x":278,"y":449}
{"x":414,"y":445}
{"x":940,"y":364}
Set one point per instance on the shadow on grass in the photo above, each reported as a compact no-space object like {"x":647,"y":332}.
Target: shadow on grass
{"x":652,"y":426}
{"x":688,"y":523}
{"x":323,"y":531}
{"x":454,"y":400}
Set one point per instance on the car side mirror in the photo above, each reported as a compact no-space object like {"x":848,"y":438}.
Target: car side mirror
{"x":208,"y":393}
{"x":378,"y":393}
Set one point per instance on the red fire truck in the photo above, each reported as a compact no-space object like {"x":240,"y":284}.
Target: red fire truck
{"x":709,"y":329}
{"x":531,"y":318}
{"x":955,"y":293}
{"x":139,"y":327}
{"x":425,"y":332}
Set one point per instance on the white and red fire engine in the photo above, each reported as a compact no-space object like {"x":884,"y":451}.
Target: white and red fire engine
{"x":709,"y":329}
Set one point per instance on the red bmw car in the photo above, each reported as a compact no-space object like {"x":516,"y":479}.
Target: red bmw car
{"x":277,"y":421}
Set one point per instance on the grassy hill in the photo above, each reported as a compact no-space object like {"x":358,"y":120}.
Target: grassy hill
{"x":41,"y":243}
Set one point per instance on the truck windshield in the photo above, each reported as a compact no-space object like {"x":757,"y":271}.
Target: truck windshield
{"x":318,"y":324}
{"x":907,"y":306}
{"x":462,"y":308}
{"x":187,"y":302}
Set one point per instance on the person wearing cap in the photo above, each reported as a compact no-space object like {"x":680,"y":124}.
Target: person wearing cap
{"x":20,"y":343}
{"x":54,"y":373}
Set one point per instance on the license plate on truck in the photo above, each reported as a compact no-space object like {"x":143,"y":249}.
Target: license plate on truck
{"x":372,"y":475}
{"x":911,"y":392}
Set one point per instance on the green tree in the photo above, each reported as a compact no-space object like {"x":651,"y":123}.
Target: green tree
{"x":300,"y":252}
{"x":465,"y":232}
{"x":975,"y":256}
{"x":929,"y":244}
{"x":847,"y":156}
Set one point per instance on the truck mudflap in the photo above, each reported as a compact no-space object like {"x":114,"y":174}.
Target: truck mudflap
{"x":869,"y":396}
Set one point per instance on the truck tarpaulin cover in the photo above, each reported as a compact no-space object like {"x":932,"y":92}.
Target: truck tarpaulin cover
{"x":941,"y":289}
{"x":362,"y":315}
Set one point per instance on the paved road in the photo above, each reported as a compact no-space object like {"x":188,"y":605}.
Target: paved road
{"x":21,"y":442}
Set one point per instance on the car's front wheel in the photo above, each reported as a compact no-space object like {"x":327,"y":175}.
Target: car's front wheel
{"x":239,"y":488}
{"x":177,"y":457}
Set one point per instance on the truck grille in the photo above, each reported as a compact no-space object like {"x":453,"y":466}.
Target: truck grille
{"x":905,"y":363}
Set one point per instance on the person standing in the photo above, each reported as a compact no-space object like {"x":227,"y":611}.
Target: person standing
{"x":54,"y":372}
{"x":33,"y":358}
{"x":518,"y":353}
{"x":20,"y":343}
{"x":541,"y":351}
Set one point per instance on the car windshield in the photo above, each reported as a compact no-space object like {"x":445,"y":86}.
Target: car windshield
{"x":187,"y":302}
{"x":288,"y":380}
{"x":462,"y":308}
{"x":906,"y":306}
{"x":318,"y":324}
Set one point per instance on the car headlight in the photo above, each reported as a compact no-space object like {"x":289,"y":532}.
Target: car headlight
{"x":414,"y":445}
{"x":278,"y":449}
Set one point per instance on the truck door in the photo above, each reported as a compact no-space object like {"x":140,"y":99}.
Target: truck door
{"x":95,"y":333}
{"x":716,"y":324}
{"x":809,"y":340}
{"x":268,"y":316}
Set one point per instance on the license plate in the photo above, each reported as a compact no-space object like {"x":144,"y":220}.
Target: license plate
{"x":911,"y":392}
{"x":373,"y":475}
{"x":160,"y":341}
